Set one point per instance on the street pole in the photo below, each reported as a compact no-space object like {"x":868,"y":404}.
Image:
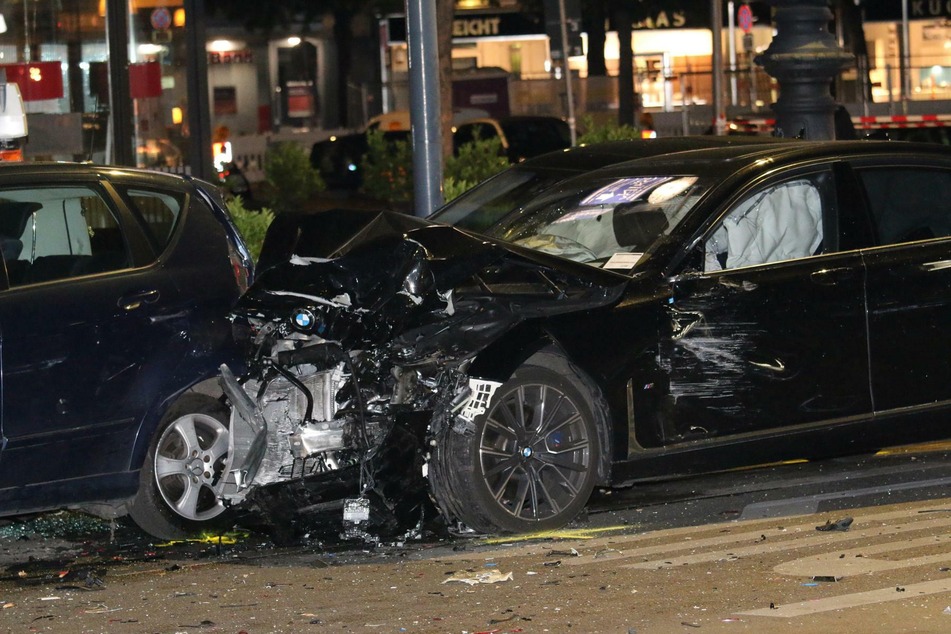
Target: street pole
{"x":199,"y":112}
{"x":424,"y":105}
{"x":731,"y":47}
{"x":804,"y":57}
{"x":905,"y":58}
{"x":719,"y":112}
{"x":569,"y":94}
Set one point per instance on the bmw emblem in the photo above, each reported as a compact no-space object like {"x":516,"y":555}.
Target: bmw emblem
{"x":303,"y":319}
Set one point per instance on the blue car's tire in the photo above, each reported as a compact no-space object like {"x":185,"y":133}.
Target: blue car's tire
{"x":184,"y":470}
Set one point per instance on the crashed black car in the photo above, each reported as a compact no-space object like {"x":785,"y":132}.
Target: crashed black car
{"x":695,"y":310}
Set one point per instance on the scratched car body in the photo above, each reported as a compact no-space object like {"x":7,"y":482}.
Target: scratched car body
{"x":691,"y":311}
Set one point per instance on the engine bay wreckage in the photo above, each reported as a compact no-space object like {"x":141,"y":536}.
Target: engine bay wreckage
{"x":374,"y":338}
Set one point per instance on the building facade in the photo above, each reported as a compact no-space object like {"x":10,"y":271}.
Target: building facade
{"x":152,"y":83}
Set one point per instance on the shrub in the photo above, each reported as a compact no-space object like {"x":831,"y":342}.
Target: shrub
{"x":473,"y":163}
{"x":387,"y":169}
{"x":594,"y":133}
{"x":252,"y":225}
{"x":290,"y":176}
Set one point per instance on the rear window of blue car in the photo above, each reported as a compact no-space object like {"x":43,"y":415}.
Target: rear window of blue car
{"x":159,"y":211}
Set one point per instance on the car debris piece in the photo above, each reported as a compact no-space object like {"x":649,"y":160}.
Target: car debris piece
{"x":475,"y":578}
{"x":838,"y":525}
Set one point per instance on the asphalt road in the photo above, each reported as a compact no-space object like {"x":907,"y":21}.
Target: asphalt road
{"x":901,"y":474}
{"x":734,"y":551}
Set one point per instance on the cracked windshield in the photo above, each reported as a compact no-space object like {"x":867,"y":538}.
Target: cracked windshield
{"x":608,"y":223}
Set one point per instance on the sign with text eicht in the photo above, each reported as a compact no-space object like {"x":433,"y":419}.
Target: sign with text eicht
{"x":475,"y":25}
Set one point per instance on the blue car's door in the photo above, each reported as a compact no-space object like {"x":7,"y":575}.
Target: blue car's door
{"x":82,"y":320}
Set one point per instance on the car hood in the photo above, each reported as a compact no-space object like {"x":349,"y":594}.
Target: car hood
{"x":364,"y":278}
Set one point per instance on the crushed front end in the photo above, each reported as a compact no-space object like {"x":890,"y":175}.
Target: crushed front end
{"x":358,"y":362}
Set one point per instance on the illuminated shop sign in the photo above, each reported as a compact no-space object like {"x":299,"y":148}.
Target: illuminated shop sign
{"x":880,"y":11}
{"x":689,"y":14}
{"x":38,"y":81}
{"x":242,"y":56}
{"x":477,"y":25}
{"x":659,"y":14}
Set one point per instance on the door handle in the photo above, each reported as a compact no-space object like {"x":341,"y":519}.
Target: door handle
{"x":134,"y":301}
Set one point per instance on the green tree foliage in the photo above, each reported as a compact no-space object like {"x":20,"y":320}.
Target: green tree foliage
{"x":473,"y":163}
{"x":388,"y":169}
{"x":594,"y":133}
{"x":290,"y":175}
{"x":251,"y":224}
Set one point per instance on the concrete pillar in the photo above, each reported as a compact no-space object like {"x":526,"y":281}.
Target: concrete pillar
{"x":804,"y":57}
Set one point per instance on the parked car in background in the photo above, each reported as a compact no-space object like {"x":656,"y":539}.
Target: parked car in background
{"x":339,"y":158}
{"x":521,"y":137}
{"x":695,"y":310}
{"x":114,"y":292}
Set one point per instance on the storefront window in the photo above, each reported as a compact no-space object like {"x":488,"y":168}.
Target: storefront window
{"x":929,"y":46}
{"x":53,"y":50}
{"x":58,"y":53}
{"x":157,"y":83}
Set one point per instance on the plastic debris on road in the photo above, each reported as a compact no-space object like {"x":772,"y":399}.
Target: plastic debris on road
{"x":475,"y":578}
{"x":838,"y":525}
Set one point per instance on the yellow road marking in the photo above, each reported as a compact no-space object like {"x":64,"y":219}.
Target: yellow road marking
{"x":938,"y":445}
{"x":578,"y":533}
{"x":227,"y":538}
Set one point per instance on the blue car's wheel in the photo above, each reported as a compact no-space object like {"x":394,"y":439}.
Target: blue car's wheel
{"x":184,"y":471}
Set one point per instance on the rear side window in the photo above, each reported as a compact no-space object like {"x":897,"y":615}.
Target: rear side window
{"x":908,"y":203}
{"x":55,"y":233}
{"x":158,"y":211}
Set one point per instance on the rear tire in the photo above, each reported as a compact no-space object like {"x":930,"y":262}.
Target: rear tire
{"x":533,"y":460}
{"x":184,"y":470}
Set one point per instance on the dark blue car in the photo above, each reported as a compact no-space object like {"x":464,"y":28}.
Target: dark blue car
{"x":113,"y":300}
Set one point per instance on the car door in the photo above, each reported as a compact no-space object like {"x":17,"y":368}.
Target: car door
{"x":772,"y":333}
{"x":909,"y":283}
{"x":84,"y":313}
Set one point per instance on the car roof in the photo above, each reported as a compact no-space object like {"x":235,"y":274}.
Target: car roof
{"x":593,"y":155}
{"x":65,"y":169}
{"x":731,"y":158}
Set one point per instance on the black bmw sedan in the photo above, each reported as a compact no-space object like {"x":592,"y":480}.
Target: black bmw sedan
{"x":694,"y":310}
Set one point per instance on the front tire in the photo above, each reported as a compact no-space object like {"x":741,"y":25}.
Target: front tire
{"x":184,"y":470}
{"x":532,"y":462}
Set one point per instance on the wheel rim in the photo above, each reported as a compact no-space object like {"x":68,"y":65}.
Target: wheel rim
{"x":190,"y":462}
{"x":535,"y":452}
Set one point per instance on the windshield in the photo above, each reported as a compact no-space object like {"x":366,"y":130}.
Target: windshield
{"x":488,"y":203}
{"x":609,"y":223}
